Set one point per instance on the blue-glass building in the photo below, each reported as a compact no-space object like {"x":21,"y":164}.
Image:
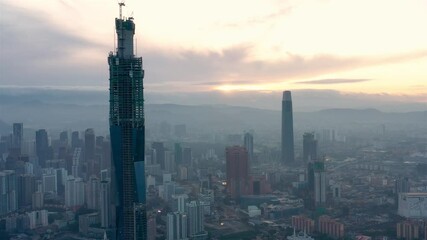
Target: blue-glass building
{"x":127,"y":132}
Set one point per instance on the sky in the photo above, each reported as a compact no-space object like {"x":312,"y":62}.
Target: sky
{"x":373,"y":49}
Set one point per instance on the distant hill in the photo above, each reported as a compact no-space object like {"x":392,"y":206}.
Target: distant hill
{"x":225,"y":118}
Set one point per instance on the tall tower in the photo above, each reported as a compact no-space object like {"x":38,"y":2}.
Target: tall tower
{"x":287,"y":129}
{"x":127,"y":132}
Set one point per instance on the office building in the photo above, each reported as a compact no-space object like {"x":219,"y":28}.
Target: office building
{"x":105,"y":203}
{"x":178,"y":154}
{"x":42,"y":147}
{"x":320,"y":182}
{"x":63,"y":139}
{"x":237,"y":170}
{"x":89,"y":144}
{"x":248,"y":141}
{"x":76,"y":163}
{"x":127,"y":133}
{"x":309,"y":147}
{"x":169,"y":161}
{"x":75,"y":140}
{"x":187,"y":157}
{"x":26,"y":186}
{"x":159,"y":152}
{"x":91,"y":161}
{"x":38,"y":196}
{"x":18,"y":136}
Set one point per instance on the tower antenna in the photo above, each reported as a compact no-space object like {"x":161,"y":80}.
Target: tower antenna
{"x":121,"y":4}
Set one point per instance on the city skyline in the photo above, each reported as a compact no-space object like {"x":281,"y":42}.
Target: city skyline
{"x":284,"y":49}
{"x":94,"y":161}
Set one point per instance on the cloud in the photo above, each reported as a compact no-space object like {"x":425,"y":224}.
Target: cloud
{"x":216,"y":83}
{"x":34,"y":50}
{"x":333,"y":81}
{"x":272,"y":17}
{"x":236,"y":66}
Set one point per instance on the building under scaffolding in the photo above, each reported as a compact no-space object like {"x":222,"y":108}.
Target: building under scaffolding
{"x":127,"y":131}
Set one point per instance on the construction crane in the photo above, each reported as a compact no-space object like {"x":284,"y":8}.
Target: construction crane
{"x":121,"y":4}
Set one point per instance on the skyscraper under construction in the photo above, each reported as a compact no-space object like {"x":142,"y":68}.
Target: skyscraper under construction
{"x":127,"y":132}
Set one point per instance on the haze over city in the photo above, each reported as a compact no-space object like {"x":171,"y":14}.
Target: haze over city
{"x":197,"y":120}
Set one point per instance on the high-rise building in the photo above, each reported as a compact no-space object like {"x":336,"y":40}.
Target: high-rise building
{"x":75,"y":140}
{"x":26,"y":186}
{"x":89,"y":144}
{"x":169,"y":161}
{"x":89,"y":153}
{"x":309,"y":147}
{"x":248,"y":141}
{"x":105,"y":203}
{"x":38,"y":196}
{"x":176,"y":226}
{"x":42,"y":147}
{"x":319,"y":183}
{"x":187,"y":156}
{"x":178,"y":154}
{"x":50,"y":181}
{"x":8,"y":192}
{"x":159,"y":151}
{"x":287,"y":129}
{"x":74,"y":192}
{"x":63,"y":138}
{"x":127,"y":133}
{"x":18,"y":136}
{"x":76,"y":163}
{"x":237,"y":170}
{"x":178,"y":202}
{"x":195,"y":214}
{"x":92,"y":193}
